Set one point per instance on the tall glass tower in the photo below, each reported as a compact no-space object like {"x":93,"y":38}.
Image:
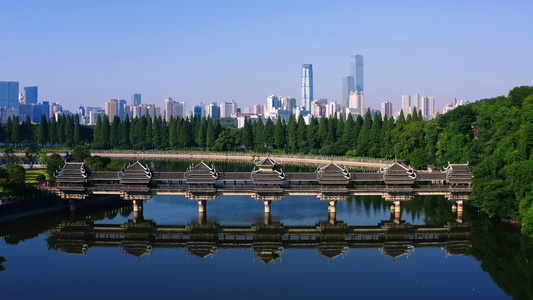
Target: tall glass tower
{"x":9,"y":94}
{"x":307,"y":86}
{"x":30,"y":94}
{"x":356,"y":71}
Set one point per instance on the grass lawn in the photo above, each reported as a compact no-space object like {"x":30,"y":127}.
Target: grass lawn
{"x":31,"y":174}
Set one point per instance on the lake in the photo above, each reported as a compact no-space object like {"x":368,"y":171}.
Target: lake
{"x":236,"y":251}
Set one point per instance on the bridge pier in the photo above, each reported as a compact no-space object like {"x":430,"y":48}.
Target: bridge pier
{"x":332,"y":208}
{"x":202,"y":206}
{"x":268,"y":203}
{"x":268,"y":218}
{"x":458,"y":208}
{"x":138,"y":205}
{"x":202,"y":218}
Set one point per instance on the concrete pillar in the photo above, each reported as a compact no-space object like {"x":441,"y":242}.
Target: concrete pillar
{"x":138,"y":205}
{"x":459,"y":206}
{"x":202,"y":206}
{"x":397,"y":208}
{"x":267,"y":206}
{"x":332,"y":207}
{"x":454,"y":208}
{"x":268,"y":218}
{"x":459,"y":216}
{"x":202,"y":218}
{"x":332,"y":218}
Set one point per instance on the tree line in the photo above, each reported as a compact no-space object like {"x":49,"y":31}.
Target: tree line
{"x":495,"y":136}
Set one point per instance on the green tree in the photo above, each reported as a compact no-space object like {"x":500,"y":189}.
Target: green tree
{"x":364,"y":138}
{"x":268,"y":132}
{"x":16,"y":174}
{"x":247,"y":134}
{"x":42,"y":133}
{"x":210,"y":136}
{"x":114,"y":133}
{"x":53,"y":164}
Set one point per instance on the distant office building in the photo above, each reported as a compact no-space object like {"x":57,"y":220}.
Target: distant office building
{"x":228,"y":108}
{"x":428,"y":107}
{"x":288,"y":103}
{"x":122,"y":108}
{"x":212,"y":110}
{"x":307,"y":86}
{"x":9,"y":94}
{"x":198,"y":110}
{"x":179,"y":110}
{"x":30,"y":95}
{"x":136,"y":99}
{"x":167,"y":108}
{"x":357,"y":100}
{"x":39,"y":110}
{"x":112,"y":109}
{"x":93,"y":113}
{"x":357,"y":72}
{"x":409,"y":102}
{"x":348,"y":86}
{"x":386,"y":109}
{"x":333,"y":109}
{"x":318,"y":109}
{"x":273,"y":101}
{"x":81,"y":111}
{"x":258,"y":109}
{"x":174,"y":109}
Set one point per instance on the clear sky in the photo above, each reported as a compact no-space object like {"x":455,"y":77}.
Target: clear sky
{"x":87,"y":52}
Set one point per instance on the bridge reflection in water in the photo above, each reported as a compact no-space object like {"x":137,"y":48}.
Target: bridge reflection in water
{"x":267,"y":240}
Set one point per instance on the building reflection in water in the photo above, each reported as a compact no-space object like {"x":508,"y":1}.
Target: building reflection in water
{"x":267,"y":240}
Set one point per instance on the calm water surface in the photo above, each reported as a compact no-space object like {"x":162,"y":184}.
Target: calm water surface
{"x":493,"y":262}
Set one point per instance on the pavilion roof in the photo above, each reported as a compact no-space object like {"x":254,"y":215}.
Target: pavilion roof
{"x":458,"y":173}
{"x":267,"y":163}
{"x":136,"y":173}
{"x":72,"y":172}
{"x":268,"y":176}
{"x":398,"y":174}
{"x":333,"y":174}
{"x":201,"y":173}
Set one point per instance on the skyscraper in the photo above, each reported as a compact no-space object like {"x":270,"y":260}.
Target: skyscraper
{"x":30,"y":95}
{"x":112,"y":109}
{"x":409,"y":102}
{"x":307,"y":86}
{"x":357,"y":71}
{"x":136,"y":99}
{"x":348,"y":86}
{"x":354,"y":82}
{"x":9,"y":94}
{"x":386,"y":109}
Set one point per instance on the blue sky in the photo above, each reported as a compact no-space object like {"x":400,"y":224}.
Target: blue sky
{"x":87,"y":52}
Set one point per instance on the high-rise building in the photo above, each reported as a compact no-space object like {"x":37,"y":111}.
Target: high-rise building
{"x":212,"y":110}
{"x":273,"y":101}
{"x":112,"y":109}
{"x":409,"y":102}
{"x":318,"y":109}
{"x":168,"y":108}
{"x":428,"y":107}
{"x":348,"y":86}
{"x":9,"y":94}
{"x":228,"y":108}
{"x":307,"y":86}
{"x":357,"y":101}
{"x":136,"y":99}
{"x":288,"y":103}
{"x":198,"y":110}
{"x":30,"y":95}
{"x":386,"y":109}
{"x":357,"y":72}
{"x":122,"y":108}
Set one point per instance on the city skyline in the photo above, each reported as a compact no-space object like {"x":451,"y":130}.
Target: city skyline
{"x":87,"y":55}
